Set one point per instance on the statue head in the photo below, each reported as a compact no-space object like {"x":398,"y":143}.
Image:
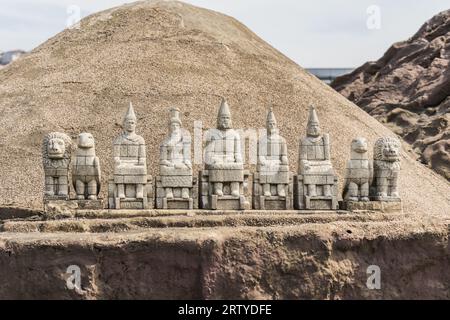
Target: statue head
{"x":271,"y":123}
{"x":224,"y":116}
{"x":86,"y":140}
{"x":129,"y":121}
{"x":359,"y":145}
{"x":174,"y":120}
{"x":56,"y":146}
{"x":387,"y":149}
{"x":313,"y":127}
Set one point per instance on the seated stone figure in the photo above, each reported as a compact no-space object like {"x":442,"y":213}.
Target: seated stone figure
{"x":130,"y":186}
{"x":56,"y":156}
{"x":272,"y":183}
{"x":224,"y":180}
{"x":316,"y":181}
{"x":358,"y":176}
{"x":86,"y":169}
{"x":386,"y":165}
{"x":175,"y":185}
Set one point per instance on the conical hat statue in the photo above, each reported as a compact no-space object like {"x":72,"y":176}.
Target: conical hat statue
{"x":313,"y":119}
{"x":224,"y":109}
{"x":174,"y":116}
{"x":271,"y":116}
{"x":130,"y":115}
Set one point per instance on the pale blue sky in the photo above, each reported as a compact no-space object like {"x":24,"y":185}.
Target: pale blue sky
{"x":320,"y":33}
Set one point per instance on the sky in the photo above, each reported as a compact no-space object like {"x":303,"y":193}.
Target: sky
{"x":315,"y":34}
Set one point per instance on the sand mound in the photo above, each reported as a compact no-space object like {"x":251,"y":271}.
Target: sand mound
{"x":409,"y":90}
{"x":163,"y":54}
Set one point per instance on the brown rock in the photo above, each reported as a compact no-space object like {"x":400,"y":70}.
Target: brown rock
{"x":409,"y":90}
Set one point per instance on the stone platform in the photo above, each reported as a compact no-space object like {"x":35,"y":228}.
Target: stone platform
{"x":173,"y":254}
{"x":382,"y":206}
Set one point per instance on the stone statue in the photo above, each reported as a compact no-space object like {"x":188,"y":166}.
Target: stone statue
{"x":358,"y":175}
{"x":130,"y":166}
{"x":56,"y":155}
{"x":386,"y":164}
{"x":316,"y":175}
{"x":224,"y":162}
{"x":86,"y":169}
{"x":272,"y":178}
{"x":175,"y":182}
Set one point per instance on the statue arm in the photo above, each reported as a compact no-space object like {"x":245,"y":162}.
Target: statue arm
{"x":261,"y":154}
{"x":326,"y":143}
{"x":163,"y":156}
{"x":116,"y":153}
{"x":187,"y":153}
{"x":303,"y":153}
{"x":284,"y":155}
{"x":141,"y":155}
{"x":237,"y":149}
{"x":209,"y":151}
{"x":97,"y":169}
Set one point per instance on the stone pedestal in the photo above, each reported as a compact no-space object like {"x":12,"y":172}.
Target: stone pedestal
{"x":63,"y":205}
{"x":177,"y":202}
{"x":225,"y":202}
{"x":261,"y":202}
{"x":382,"y":206}
{"x":303,"y":201}
{"x":130,"y":201}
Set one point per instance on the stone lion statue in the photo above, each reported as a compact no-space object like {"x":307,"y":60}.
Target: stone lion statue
{"x":386,"y":164}
{"x":358,"y":173}
{"x":56,"y":154}
{"x":86,"y":168}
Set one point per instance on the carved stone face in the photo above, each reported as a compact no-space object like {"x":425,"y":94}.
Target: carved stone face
{"x":56,"y":148}
{"x":129,"y":125}
{"x":390,"y":152}
{"x":313,"y":130}
{"x":85,"y":140}
{"x":359,"y":145}
{"x":175,"y":127}
{"x":271,"y":127}
{"x":224,"y":122}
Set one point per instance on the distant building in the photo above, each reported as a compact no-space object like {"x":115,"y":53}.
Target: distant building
{"x":9,"y":56}
{"x":328,"y":74}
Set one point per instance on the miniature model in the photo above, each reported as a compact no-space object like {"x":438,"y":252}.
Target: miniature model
{"x":386,"y":164}
{"x":272,"y":183}
{"x":358,"y":172}
{"x":86,"y":169}
{"x":174,"y":186}
{"x":316,"y":181}
{"x":224,"y":180}
{"x":130,"y":187}
{"x":56,"y":155}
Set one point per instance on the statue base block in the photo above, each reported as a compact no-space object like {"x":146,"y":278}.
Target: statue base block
{"x":321,"y":203}
{"x":228,"y":203}
{"x":131,"y":203}
{"x":178,"y":203}
{"x":59,"y":206}
{"x":275,"y":203}
{"x":382,"y":206}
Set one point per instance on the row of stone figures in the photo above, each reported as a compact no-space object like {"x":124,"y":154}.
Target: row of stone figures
{"x":223,"y":182}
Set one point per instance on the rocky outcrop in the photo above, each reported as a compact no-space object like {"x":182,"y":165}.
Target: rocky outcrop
{"x":408,"y":89}
{"x":10,"y":56}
